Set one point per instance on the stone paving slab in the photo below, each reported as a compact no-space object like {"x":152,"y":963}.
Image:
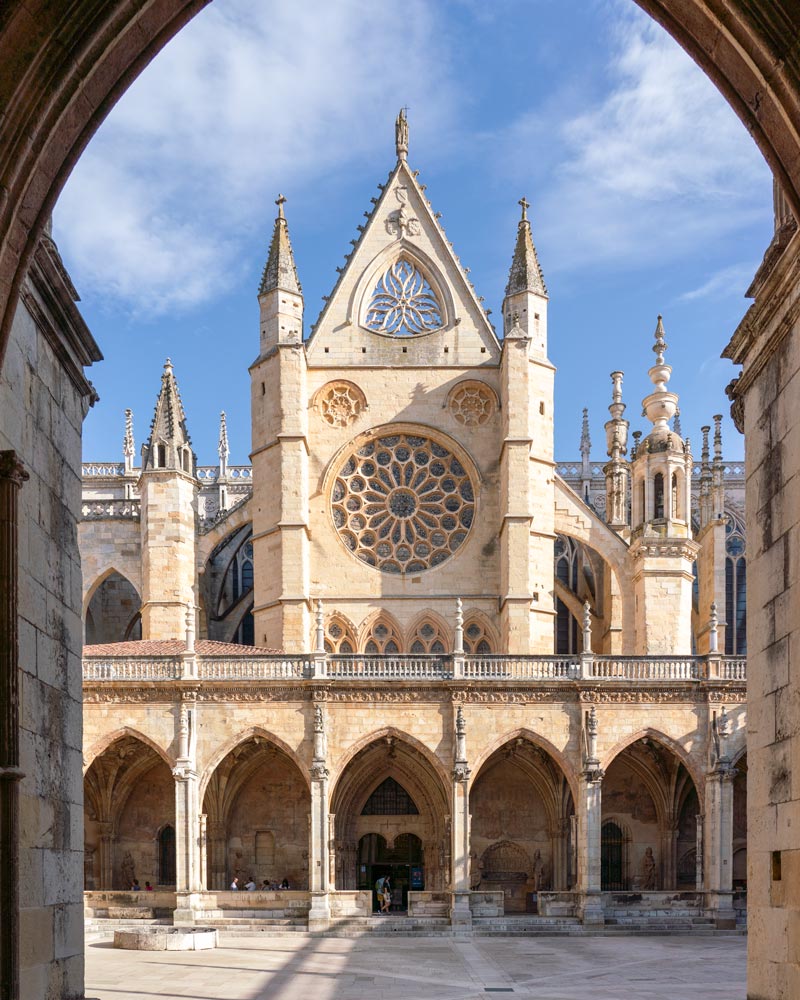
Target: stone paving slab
{"x":302,"y":967}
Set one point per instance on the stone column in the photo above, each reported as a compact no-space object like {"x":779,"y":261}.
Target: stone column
{"x":187,"y":821}
{"x":216,"y":837}
{"x":106,"y":860}
{"x":203,"y":851}
{"x":460,"y":912}
{"x":718,"y":843}
{"x":12,"y":476}
{"x":319,"y":916}
{"x":590,"y":819}
{"x":669,"y":855}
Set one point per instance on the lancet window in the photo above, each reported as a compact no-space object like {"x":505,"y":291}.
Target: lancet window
{"x":476,"y":638}
{"x":383,"y":638}
{"x":403,"y":303}
{"x":566,"y":569}
{"x":735,"y":587}
{"x":428,"y":638}
{"x":339,"y":637}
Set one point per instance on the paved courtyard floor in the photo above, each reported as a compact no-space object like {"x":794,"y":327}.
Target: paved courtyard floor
{"x":373,"y":968}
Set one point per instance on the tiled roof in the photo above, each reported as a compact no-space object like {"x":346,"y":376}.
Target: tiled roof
{"x":174,"y":647}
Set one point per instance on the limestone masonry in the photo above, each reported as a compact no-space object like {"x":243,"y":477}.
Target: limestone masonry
{"x":406,"y":641}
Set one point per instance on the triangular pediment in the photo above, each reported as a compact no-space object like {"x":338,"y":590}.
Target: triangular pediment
{"x":403,"y":292}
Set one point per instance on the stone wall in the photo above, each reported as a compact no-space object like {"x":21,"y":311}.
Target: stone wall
{"x":42,"y":398}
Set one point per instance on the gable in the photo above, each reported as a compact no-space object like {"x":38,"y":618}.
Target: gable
{"x":403,"y":297}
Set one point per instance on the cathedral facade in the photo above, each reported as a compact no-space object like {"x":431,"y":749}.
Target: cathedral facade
{"x":406,"y":640}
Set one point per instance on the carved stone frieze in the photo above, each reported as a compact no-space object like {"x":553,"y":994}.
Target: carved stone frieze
{"x":629,"y":696}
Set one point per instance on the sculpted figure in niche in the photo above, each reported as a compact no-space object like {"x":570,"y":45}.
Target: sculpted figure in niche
{"x":128,"y":870}
{"x":649,"y":880}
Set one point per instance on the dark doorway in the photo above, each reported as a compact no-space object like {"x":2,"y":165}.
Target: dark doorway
{"x":402,"y":863}
{"x":612,"y":869}
{"x":166,"y":856}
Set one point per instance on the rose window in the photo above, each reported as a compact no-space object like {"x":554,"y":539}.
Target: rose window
{"x":403,"y":303}
{"x":402,"y":503}
{"x":471,"y":404}
{"x":340,"y":403}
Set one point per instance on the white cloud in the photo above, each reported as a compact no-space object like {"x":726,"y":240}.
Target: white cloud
{"x":719,"y":284}
{"x":243,"y":98}
{"x":655,"y":167}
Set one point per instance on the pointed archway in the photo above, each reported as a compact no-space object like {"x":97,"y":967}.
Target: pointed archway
{"x":390,"y":789}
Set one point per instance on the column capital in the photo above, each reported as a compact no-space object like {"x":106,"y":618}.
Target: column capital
{"x":461,"y":772}
{"x":592,"y":773}
{"x":12,"y":469}
{"x":319,"y":771}
{"x":184,"y":772}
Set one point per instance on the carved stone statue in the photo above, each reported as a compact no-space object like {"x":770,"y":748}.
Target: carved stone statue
{"x":649,"y":880}
{"x":128,"y":870}
{"x":538,"y":871}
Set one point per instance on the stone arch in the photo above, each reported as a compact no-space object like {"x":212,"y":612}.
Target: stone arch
{"x":236,"y":518}
{"x":474,"y":616}
{"x":250,"y":793}
{"x":128,"y":796}
{"x":365,"y":632}
{"x":349,"y":633}
{"x":444,"y":630}
{"x":240,"y":738}
{"x":111,"y":609}
{"x":680,"y":752}
{"x":390,"y":754}
{"x":378,"y":734}
{"x":101,"y":745}
{"x":521,"y":797}
{"x":650,"y":785}
{"x":402,"y":249}
{"x":91,"y":588}
{"x":538,"y":741}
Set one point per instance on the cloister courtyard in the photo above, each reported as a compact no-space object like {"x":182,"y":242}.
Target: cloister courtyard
{"x":298,"y":966}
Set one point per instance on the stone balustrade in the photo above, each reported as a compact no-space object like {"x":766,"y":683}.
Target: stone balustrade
{"x":253,"y":668}
{"x":129,"y":668}
{"x":524,"y":668}
{"x":612,"y":669}
{"x":95,"y":510}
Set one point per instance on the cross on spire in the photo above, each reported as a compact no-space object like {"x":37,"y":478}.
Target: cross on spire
{"x":525,"y":206}
{"x":280,"y":201}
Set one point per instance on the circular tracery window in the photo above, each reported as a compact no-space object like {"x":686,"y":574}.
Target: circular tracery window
{"x":402,"y":503}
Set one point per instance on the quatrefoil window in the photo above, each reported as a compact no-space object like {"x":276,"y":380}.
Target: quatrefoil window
{"x":403,"y":304}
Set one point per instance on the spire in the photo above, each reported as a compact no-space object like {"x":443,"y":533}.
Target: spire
{"x":526,"y":273}
{"x":128,"y":447}
{"x":169,"y":446}
{"x":223,"y":450}
{"x":676,"y":423}
{"x":718,"y":472}
{"x":661,"y":404}
{"x":586,"y":441}
{"x":280,"y":270}
{"x":401,"y":134}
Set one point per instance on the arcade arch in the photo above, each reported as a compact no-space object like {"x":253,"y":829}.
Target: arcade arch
{"x":256,"y":803}
{"x":650,"y":805}
{"x":389,"y":772}
{"x":113,"y":611}
{"x":522,"y":835}
{"x":129,"y":798}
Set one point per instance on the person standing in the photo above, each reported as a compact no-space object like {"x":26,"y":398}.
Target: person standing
{"x":235,"y":883}
{"x":387,"y":895}
{"x":379,"y":891}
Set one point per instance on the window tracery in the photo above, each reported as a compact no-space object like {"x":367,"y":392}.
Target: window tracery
{"x":471,"y":403}
{"x":382,"y":638}
{"x":403,"y":304}
{"x":476,"y":637}
{"x":735,"y":587}
{"x":566,"y":555}
{"x":340,"y":403}
{"x":402,"y":503}
{"x":428,"y":638}
{"x":339,"y":637}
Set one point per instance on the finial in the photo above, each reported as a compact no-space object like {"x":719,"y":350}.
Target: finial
{"x":401,"y":134}
{"x":525,"y":206}
{"x":223,"y":449}
{"x":167,"y":365}
{"x":676,"y":423}
{"x":461,"y":725}
{"x":586,"y":441}
{"x":718,"y":437}
{"x":280,"y":201}
{"x":458,"y":638}
{"x":320,"y":629}
{"x":660,"y":345}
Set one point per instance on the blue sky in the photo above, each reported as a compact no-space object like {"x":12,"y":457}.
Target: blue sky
{"x":647,"y":194}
